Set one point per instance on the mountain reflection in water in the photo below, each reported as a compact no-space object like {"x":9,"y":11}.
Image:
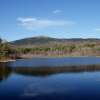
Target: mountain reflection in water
{"x":6,"y":70}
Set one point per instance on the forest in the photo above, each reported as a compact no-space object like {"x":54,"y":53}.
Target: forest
{"x":70,"y":49}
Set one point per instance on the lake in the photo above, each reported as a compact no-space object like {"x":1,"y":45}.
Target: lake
{"x":76,"y":78}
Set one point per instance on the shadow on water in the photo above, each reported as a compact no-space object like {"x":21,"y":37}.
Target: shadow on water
{"x":6,"y":70}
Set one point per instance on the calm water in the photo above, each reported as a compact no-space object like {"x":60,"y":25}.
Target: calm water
{"x":51,"y":79}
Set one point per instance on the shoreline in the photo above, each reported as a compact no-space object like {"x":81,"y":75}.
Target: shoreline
{"x":28,"y":56}
{"x":8,"y":60}
{"x":43,"y":56}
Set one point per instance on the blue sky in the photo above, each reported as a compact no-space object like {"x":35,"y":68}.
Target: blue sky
{"x":54,"y":18}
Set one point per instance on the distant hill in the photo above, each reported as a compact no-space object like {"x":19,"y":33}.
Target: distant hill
{"x":34,"y":41}
{"x":41,"y":40}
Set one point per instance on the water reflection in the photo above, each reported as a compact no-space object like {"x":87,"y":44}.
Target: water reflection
{"x":45,"y":71}
{"x":6,"y":70}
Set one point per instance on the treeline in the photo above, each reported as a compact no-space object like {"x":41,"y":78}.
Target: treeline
{"x":47,"y":49}
{"x":87,"y":49}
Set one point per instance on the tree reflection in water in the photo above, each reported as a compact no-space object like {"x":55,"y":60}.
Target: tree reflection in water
{"x":45,"y":71}
{"x":6,"y":70}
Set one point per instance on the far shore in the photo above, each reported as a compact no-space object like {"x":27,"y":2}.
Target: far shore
{"x":41,"y":56}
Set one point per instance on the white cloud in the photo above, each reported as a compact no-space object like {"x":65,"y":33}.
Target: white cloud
{"x":34,"y":23}
{"x":57,"y":11}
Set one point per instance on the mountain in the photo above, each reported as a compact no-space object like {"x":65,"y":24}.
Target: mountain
{"x":41,"y":40}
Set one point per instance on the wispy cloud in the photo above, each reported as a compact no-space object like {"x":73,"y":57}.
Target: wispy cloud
{"x":97,"y":29}
{"x":34,"y":23}
{"x":57,"y":11}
